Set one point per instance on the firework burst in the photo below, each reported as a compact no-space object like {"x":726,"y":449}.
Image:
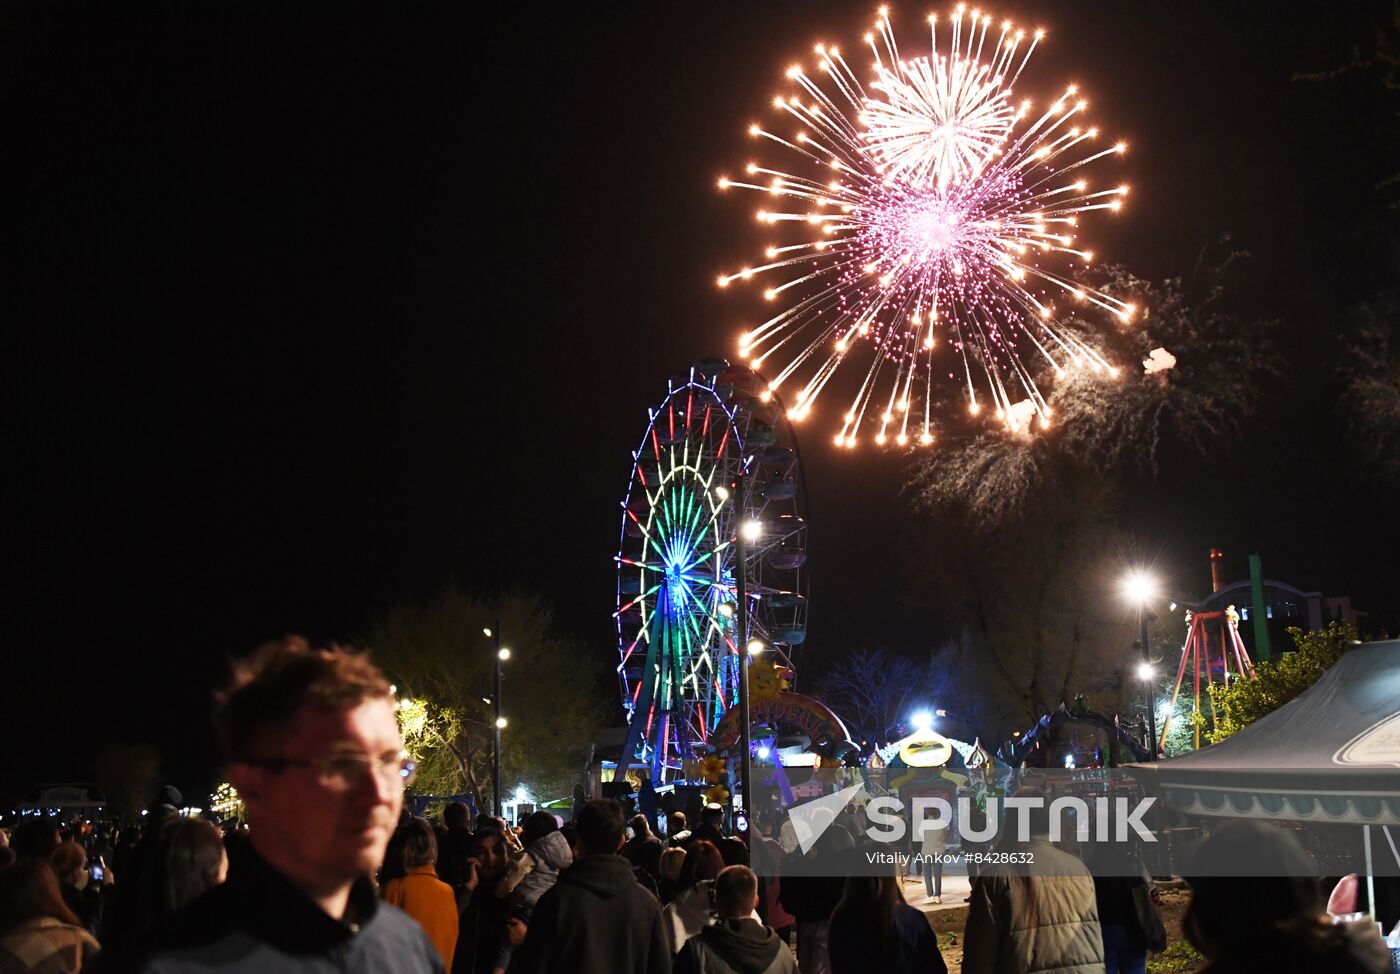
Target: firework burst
{"x":937,"y":222}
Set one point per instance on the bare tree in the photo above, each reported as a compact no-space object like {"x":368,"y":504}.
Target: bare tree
{"x":1370,"y":365}
{"x":874,"y":691}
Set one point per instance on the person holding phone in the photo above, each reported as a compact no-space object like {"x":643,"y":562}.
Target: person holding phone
{"x":80,"y":882}
{"x":482,"y":923}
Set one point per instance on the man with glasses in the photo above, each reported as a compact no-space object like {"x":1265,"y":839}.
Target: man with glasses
{"x":314,"y":749}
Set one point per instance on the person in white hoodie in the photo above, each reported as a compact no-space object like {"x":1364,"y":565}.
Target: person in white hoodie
{"x":738,"y":943}
{"x":692,"y":908}
{"x":527,"y":878}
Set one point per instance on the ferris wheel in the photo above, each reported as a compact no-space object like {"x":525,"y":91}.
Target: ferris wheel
{"x":717,"y":457}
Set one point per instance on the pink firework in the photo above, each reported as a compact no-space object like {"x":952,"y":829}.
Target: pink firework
{"x":935,"y":217}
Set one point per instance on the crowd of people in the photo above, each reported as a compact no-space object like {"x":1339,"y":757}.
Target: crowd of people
{"x":332,"y":873}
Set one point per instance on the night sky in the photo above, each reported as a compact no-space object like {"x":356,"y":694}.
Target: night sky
{"x":305,"y":316}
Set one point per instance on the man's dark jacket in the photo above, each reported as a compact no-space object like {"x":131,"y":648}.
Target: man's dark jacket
{"x":595,"y":920}
{"x":706,"y":832}
{"x":735,"y":946}
{"x":454,"y":848}
{"x":644,"y":852}
{"x":260,"y":922}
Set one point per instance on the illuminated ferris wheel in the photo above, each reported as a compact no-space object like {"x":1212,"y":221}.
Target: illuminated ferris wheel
{"x":717,"y":457}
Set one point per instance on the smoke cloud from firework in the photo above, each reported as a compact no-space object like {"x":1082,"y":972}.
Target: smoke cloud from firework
{"x":933,"y":223}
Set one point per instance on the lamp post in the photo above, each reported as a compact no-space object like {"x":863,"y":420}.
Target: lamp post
{"x":748,"y":531}
{"x":1140,"y":587}
{"x":502,"y":654}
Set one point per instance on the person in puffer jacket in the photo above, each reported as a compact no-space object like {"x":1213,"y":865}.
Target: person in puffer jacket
{"x":1038,"y":915}
{"x":737,"y":944}
{"x":546,"y":853}
{"x":597,"y":919}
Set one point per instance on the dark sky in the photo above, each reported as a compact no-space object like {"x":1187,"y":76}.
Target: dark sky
{"x":308,"y":315}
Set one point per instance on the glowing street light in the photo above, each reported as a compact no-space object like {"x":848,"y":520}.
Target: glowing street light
{"x":1140,"y":587}
{"x":921,"y":720}
{"x":502,"y":654}
{"x":749,"y":530}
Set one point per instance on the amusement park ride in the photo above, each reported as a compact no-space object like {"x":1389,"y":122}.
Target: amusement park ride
{"x":711,"y":575}
{"x":1210,"y":641}
{"x":717,"y":459}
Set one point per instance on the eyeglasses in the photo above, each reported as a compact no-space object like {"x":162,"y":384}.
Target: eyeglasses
{"x":346,"y":771}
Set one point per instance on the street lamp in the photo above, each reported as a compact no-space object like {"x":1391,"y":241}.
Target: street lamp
{"x":502,"y":654}
{"x":1140,"y":587}
{"x":750,"y":530}
{"x":921,"y":720}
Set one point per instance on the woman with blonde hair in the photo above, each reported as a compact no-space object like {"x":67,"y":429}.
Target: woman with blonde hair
{"x":669,"y":867}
